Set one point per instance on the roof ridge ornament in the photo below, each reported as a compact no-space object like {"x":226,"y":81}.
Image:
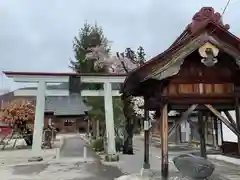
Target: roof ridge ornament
{"x":204,"y":15}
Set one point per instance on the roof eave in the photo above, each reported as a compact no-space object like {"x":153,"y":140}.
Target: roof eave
{"x":172,"y":49}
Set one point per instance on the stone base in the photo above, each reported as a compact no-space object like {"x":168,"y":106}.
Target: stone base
{"x":145,"y":172}
{"x":150,"y":177}
{"x":146,"y":166}
{"x":158,"y":177}
{"x":111,"y":157}
{"x":35,"y":159}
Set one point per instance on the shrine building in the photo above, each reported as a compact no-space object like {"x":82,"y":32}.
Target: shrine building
{"x":198,"y":74}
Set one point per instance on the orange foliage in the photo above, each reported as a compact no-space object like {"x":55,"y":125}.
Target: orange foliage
{"x":18,"y":111}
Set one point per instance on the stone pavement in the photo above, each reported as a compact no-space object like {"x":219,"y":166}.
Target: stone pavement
{"x":226,"y":166}
{"x":70,"y":166}
{"x":132,"y":164}
{"x":74,"y":147}
{"x":21,"y":156}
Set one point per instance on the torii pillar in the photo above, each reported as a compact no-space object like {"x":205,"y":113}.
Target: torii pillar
{"x":39,"y":119}
{"x":42,"y":78}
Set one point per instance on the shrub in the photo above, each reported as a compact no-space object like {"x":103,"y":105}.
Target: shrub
{"x":98,"y":144}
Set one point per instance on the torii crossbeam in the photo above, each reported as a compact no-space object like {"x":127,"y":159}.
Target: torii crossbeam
{"x":42,"y":78}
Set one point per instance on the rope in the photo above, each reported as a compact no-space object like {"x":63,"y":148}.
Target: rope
{"x":226,"y":6}
{"x":224,"y":10}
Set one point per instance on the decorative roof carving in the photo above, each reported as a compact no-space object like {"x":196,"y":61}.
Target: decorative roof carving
{"x":205,"y":15}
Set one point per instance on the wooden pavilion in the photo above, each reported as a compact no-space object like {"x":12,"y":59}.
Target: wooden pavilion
{"x":198,"y":72}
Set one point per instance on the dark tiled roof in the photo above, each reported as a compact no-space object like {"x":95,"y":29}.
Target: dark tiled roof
{"x":7,"y":96}
{"x":61,"y":105}
{"x":66,"y":105}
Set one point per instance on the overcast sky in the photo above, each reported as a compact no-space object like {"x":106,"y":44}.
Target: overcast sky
{"x":36,"y":35}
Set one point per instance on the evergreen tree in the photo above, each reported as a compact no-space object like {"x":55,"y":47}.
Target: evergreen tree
{"x":138,"y":58}
{"x":141,"y":56}
{"x":91,"y":36}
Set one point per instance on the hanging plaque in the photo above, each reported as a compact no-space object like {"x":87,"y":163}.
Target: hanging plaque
{"x":75,"y":85}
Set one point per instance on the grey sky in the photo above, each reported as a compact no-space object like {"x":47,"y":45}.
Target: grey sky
{"x":37,"y":35}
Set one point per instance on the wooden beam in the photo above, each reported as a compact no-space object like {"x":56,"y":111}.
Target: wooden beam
{"x":164,"y":141}
{"x":190,"y":122}
{"x":182,"y":118}
{"x":201,"y":131}
{"x":178,"y":138}
{"x":215,"y":126}
{"x":237,"y":110}
{"x":223,"y":119}
{"x":146,"y":164}
{"x":230,"y":118}
{"x":159,"y":71}
{"x":194,"y":99}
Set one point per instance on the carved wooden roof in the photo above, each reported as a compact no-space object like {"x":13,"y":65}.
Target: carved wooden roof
{"x":200,"y":19}
{"x":203,"y":16}
{"x":206,"y":20}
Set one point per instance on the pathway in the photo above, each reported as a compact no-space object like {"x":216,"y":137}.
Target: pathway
{"x":73,"y":147}
{"x":70,"y":166}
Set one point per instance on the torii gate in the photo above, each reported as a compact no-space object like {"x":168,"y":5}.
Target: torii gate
{"x":42,"y":78}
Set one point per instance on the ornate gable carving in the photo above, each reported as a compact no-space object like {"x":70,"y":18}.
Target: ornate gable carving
{"x":204,"y":15}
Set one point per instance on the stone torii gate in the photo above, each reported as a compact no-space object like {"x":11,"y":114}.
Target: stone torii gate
{"x":42,"y":78}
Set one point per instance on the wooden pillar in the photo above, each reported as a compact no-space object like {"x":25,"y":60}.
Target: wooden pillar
{"x":201,"y":135}
{"x":187,"y":131}
{"x":94,"y":130}
{"x":88,"y":127}
{"x":164,"y":140}
{"x":146,"y":164}
{"x":215,"y":132}
{"x":237,"y":110}
{"x":178,"y":135}
{"x":220,"y":131}
{"x":97,"y":129}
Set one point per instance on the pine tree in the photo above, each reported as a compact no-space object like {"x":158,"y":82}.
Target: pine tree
{"x":89,"y":36}
{"x":141,"y":56}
